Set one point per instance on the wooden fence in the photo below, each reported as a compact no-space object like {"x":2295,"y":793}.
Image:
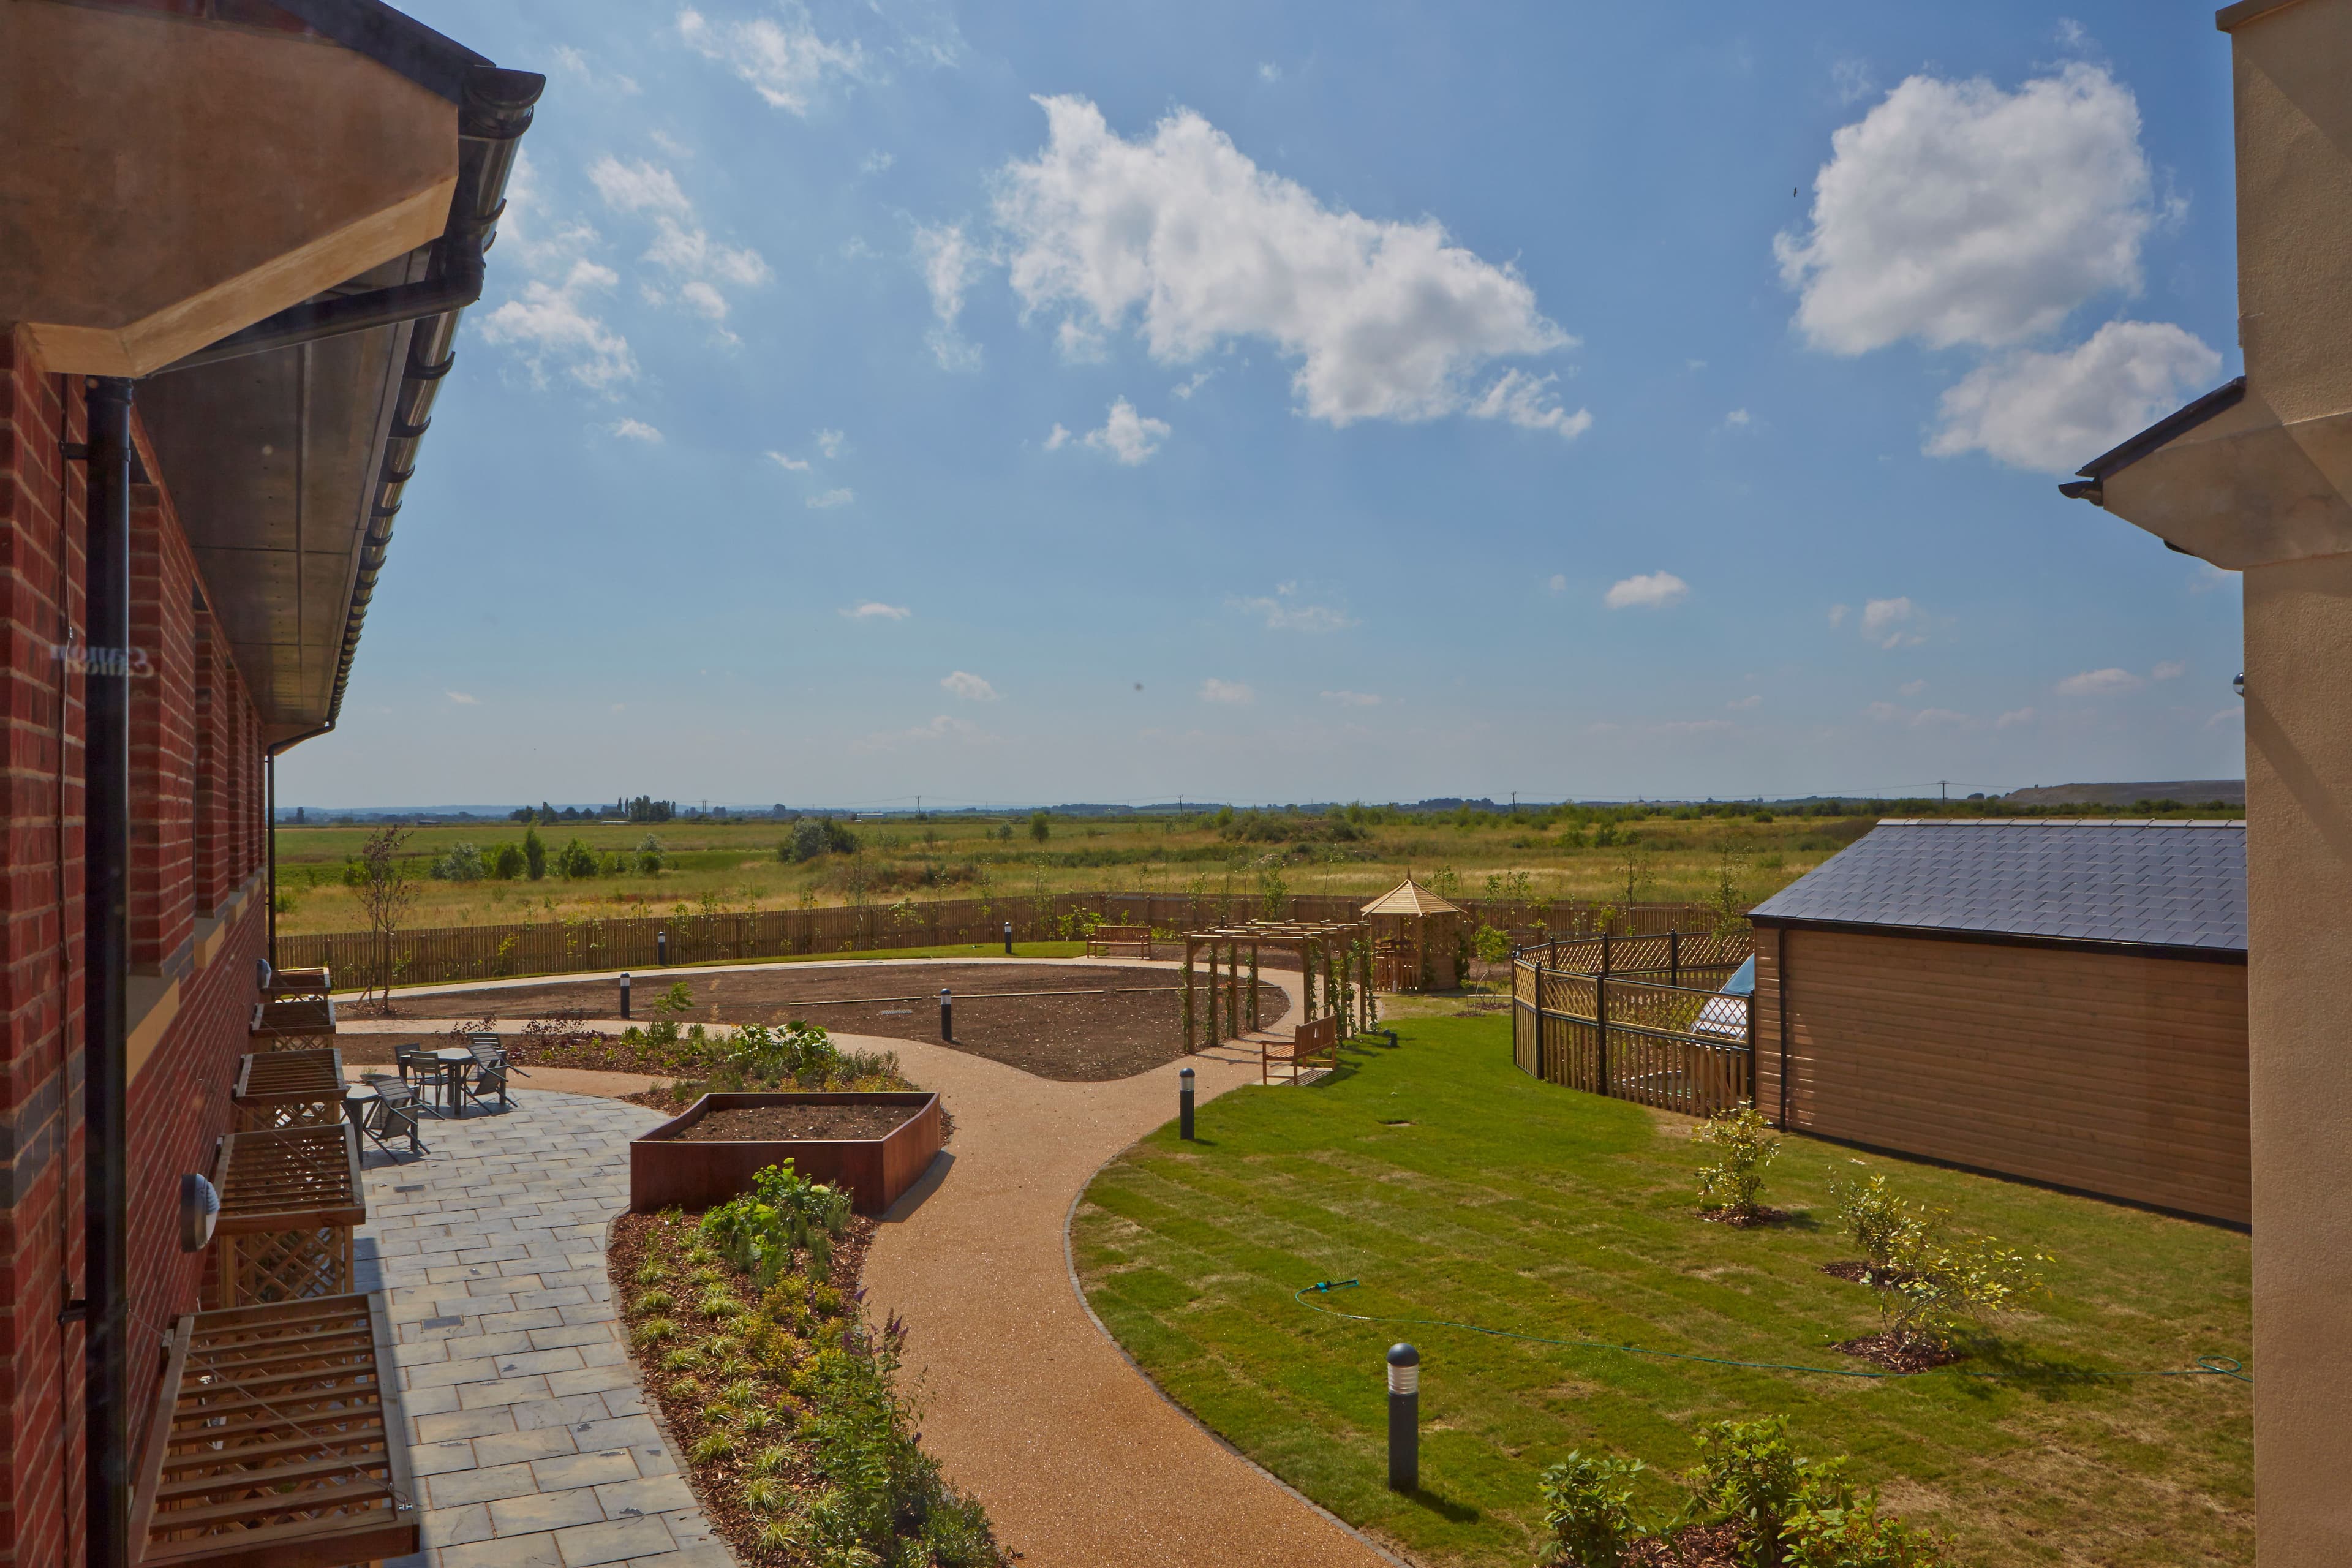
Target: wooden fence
{"x":1638,"y":1018}
{"x":453,"y":954}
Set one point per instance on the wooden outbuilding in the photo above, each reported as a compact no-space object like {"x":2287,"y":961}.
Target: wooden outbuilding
{"x":1416,"y":940}
{"x":2063,"y":1001}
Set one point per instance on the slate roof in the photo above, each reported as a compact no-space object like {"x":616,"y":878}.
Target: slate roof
{"x":2164,"y":884}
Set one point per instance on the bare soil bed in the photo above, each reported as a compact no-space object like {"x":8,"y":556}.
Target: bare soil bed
{"x":1129,"y":1021}
{"x":776,"y":1123}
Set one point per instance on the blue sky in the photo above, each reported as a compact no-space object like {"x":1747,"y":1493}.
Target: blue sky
{"x":1110,"y":401}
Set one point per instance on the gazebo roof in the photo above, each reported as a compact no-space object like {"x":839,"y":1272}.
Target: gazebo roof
{"x":1410,"y":898}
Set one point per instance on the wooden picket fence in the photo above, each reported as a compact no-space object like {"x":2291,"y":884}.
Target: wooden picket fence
{"x":453,"y":954}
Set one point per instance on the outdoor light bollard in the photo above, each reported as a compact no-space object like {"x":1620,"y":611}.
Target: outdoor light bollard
{"x":661,"y":948}
{"x":1404,"y":1418}
{"x":1008,"y":939}
{"x":624,"y":995}
{"x":947,"y":1014}
{"x":1184,"y":1105}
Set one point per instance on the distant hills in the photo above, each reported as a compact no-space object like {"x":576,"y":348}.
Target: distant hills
{"x":2187,"y":792}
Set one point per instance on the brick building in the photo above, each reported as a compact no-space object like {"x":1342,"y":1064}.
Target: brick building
{"x":235,"y":240}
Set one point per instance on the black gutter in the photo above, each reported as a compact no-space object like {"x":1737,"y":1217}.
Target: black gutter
{"x":329,"y":316}
{"x":2009,"y":939}
{"x":106,"y":854}
{"x":399,"y":42}
{"x":2095,"y":474}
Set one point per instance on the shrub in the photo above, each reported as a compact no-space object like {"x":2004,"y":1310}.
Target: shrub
{"x":1041,"y":826}
{"x":1491,"y":945}
{"x":649,"y":857}
{"x":783,"y":1214}
{"x":463,"y":863}
{"x":1943,"y":1286}
{"x":575,"y":860}
{"x":534,"y":855}
{"x":505,"y":862}
{"x":1744,"y":1143}
{"x":1589,"y":1512}
{"x":1748,"y":1473}
{"x":1881,"y":1223}
{"x":797,"y":1050}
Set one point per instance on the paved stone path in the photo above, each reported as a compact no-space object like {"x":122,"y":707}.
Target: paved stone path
{"x":530,"y":1437}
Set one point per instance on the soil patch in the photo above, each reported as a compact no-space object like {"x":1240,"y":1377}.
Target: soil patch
{"x":1896,"y":1355}
{"x":1856,"y":1269}
{"x":1693,"y":1546}
{"x":777,"y":1123}
{"x":1124,"y":1021}
{"x":1760,"y":1216}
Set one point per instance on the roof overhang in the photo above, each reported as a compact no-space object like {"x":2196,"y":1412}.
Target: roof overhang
{"x":273,"y":224}
{"x":2236,"y":955}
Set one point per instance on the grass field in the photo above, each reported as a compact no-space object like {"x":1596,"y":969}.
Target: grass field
{"x":1518,"y":1204}
{"x":1564,"y":853}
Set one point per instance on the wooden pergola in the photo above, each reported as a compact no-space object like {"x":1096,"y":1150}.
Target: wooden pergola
{"x":288,"y":1201}
{"x":277,"y":1440}
{"x":1338,"y":951}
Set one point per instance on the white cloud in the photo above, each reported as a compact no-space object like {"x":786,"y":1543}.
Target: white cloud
{"x":704,"y":300}
{"x":1742,"y":704}
{"x":2053,"y":412}
{"x":964,"y":683}
{"x":1650,"y":590}
{"x":1232,"y":692}
{"x":1694,"y":726}
{"x":947,"y":259}
{"x":791,"y":464}
{"x":1286,"y":612}
{"x":2098,"y":683}
{"x":1189,"y":236}
{"x":876,"y":162}
{"x":639,"y":187}
{"x":1129,"y":436}
{"x":463,"y":699}
{"x":2204,"y":577}
{"x":874,"y":610}
{"x":1887,"y":622}
{"x":2013,"y":717}
{"x":1353,"y":698}
{"x":1918,"y":718}
{"x":944,"y":727}
{"x":2170,"y":669}
{"x":636,"y":430}
{"x":828,"y":500}
{"x":1268,"y":72}
{"x":783,"y":58}
{"x":1527,"y":402}
{"x":690,"y":251}
{"x":1927,"y":717}
{"x":1188,"y":387}
{"x":1911,"y":687}
{"x":578,"y":64}
{"x":1735,"y":419}
{"x":1838,"y":614}
{"x":553,"y":325}
{"x":832,"y":442}
{"x":1559,"y":583}
{"x":1853,"y":80}
{"x":1956,"y":212}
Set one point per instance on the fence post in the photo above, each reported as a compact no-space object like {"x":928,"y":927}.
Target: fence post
{"x":1604,"y":949}
{"x":1535,"y":983}
{"x":1673,"y":958}
{"x":1601,"y":1016}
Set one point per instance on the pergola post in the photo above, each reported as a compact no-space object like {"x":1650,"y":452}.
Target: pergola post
{"x":1253,"y":989}
{"x":1192,"y":946}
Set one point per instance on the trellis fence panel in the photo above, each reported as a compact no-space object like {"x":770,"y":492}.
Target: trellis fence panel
{"x":1607,"y":1019}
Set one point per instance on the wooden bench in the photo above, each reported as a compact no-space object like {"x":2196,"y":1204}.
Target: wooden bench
{"x":1310,"y":1045}
{"x":1105,"y":937}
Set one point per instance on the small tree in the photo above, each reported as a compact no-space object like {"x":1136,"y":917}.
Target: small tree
{"x":1492,"y":945}
{"x":576,"y":861}
{"x":1726,"y":903}
{"x":385,"y":891}
{"x":1744,"y":1143}
{"x":1272,"y":890}
{"x":534,"y":855}
{"x":649,"y":857}
{"x":505,"y":862}
{"x":1041,"y":826}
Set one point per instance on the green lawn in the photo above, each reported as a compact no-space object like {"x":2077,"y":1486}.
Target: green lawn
{"x":1518,"y":1204}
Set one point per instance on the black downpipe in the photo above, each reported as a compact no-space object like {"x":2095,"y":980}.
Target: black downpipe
{"x":105,"y":850}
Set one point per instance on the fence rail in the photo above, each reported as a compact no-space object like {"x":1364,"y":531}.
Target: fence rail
{"x":1615,"y":1017}
{"x":453,"y":954}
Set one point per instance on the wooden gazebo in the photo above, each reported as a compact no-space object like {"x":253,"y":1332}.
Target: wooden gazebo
{"x":1416,"y":937}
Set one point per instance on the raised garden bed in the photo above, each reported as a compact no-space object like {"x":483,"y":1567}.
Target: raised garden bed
{"x":680,"y":1164}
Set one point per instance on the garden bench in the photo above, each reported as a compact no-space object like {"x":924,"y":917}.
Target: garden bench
{"x":1314,"y":1043}
{"x":1105,"y":937}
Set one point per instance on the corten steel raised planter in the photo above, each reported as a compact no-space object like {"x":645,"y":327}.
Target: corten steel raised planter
{"x":667,"y":1171}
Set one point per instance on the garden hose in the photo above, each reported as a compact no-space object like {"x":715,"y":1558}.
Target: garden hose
{"x":2207,"y":1365}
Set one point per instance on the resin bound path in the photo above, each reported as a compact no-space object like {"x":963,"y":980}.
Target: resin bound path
{"x":1027,"y":1404}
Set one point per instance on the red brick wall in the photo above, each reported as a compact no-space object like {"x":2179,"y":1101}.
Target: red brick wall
{"x":178,"y":1099}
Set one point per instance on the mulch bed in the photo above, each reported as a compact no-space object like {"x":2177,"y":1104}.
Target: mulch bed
{"x":1693,"y":1546}
{"x":1856,"y":1269}
{"x":1137,"y":1026}
{"x":684,"y":1414}
{"x":1895,"y":1355}
{"x":769,"y":1123}
{"x":1762,"y":1215}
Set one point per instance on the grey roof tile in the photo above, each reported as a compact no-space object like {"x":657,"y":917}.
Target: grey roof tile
{"x":2170,"y":884}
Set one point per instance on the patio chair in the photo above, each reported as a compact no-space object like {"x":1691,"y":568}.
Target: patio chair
{"x":489,"y":1049}
{"x":392,"y":1114}
{"x":489,"y":1078}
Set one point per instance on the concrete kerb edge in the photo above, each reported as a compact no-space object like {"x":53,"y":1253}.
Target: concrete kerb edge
{"x":1070,"y":1264}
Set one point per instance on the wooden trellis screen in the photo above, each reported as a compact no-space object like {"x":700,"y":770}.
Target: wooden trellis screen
{"x":288,"y":1088}
{"x":1638,"y":1019}
{"x":277,"y":1440}
{"x":288,"y":1201}
{"x":449,"y":954}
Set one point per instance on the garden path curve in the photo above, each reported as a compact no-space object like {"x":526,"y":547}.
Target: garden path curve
{"x":1027,"y":1404}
